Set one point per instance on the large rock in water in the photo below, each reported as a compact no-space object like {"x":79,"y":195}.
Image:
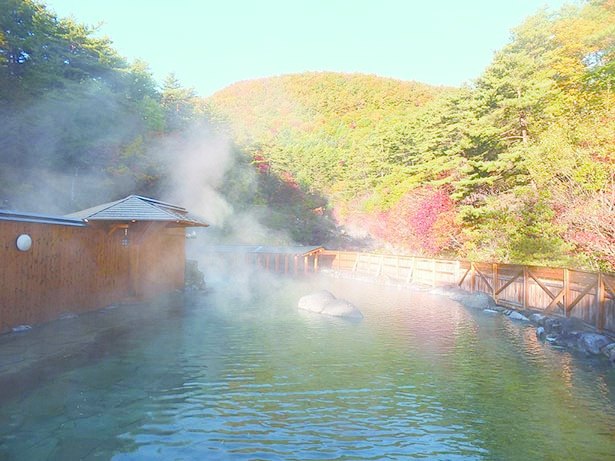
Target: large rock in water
{"x":324,"y":302}
{"x":316,"y":302}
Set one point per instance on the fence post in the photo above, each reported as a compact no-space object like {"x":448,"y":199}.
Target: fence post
{"x":566,"y":289}
{"x":601,"y":299}
{"x":472,"y":277}
{"x":525,"y":287}
{"x":495,"y":277}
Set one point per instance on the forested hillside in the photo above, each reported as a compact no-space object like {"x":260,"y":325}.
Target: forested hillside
{"x":80,"y":125}
{"x":76,"y":118}
{"x":517,"y":167}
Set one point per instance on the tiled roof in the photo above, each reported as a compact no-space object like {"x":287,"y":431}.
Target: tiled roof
{"x":18,"y":216}
{"x":137,"y":208}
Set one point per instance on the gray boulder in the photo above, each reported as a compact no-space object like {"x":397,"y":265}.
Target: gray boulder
{"x":514,"y":315}
{"x":324,"y":302}
{"x":540,"y":333}
{"x":567,"y":340}
{"x":552,"y":325}
{"x":592,"y":343}
{"x":537,"y":318}
{"x":478,"y":301}
{"x":609,"y":350}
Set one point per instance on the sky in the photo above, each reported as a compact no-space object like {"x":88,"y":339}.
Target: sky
{"x":209,"y":45}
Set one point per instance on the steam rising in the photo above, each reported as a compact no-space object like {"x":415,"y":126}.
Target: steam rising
{"x":198,"y":160}
{"x":56,"y":153}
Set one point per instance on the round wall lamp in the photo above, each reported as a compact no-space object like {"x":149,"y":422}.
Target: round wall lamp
{"x":24,"y":242}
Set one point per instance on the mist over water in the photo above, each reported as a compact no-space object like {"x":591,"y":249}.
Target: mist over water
{"x":245,"y":375}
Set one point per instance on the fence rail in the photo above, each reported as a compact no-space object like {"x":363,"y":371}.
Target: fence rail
{"x":588,"y":296}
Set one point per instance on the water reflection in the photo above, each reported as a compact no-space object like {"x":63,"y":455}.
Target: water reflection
{"x":238,"y":376}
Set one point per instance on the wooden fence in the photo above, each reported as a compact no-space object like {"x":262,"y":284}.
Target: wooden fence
{"x":588,"y":296}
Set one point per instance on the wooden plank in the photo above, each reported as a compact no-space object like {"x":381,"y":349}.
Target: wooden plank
{"x":607,"y":286}
{"x":555,"y":301}
{"x":566,"y":288}
{"x":525,"y":287}
{"x":510,"y":282}
{"x":464,"y":276}
{"x":580,"y":296}
{"x":543,"y":287}
{"x":601,"y":301}
{"x":494,"y":292}
{"x":484,"y":278}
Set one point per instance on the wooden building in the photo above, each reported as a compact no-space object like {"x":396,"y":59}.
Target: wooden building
{"x":293,"y":260}
{"x":128,"y":250}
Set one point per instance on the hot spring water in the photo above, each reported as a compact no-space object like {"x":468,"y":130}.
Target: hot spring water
{"x":245,"y":375}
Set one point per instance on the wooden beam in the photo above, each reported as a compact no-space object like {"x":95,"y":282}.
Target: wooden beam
{"x":510,"y":282}
{"x":587,"y":289}
{"x":556,"y":300}
{"x":484,"y":278}
{"x":545,"y":288}
{"x":464,"y":276}
{"x":567,"y":292}
{"x":494,"y":272}
{"x":525,"y":287}
{"x":601,"y":301}
{"x":607,"y":286}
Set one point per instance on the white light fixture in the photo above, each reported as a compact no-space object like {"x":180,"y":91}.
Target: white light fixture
{"x":24,"y":242}
{"x":125,"y":242}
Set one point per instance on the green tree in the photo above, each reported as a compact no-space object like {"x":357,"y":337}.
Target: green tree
{"x":178,"y":103}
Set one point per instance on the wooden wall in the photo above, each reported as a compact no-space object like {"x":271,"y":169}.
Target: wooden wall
{"x":76,"y":269}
